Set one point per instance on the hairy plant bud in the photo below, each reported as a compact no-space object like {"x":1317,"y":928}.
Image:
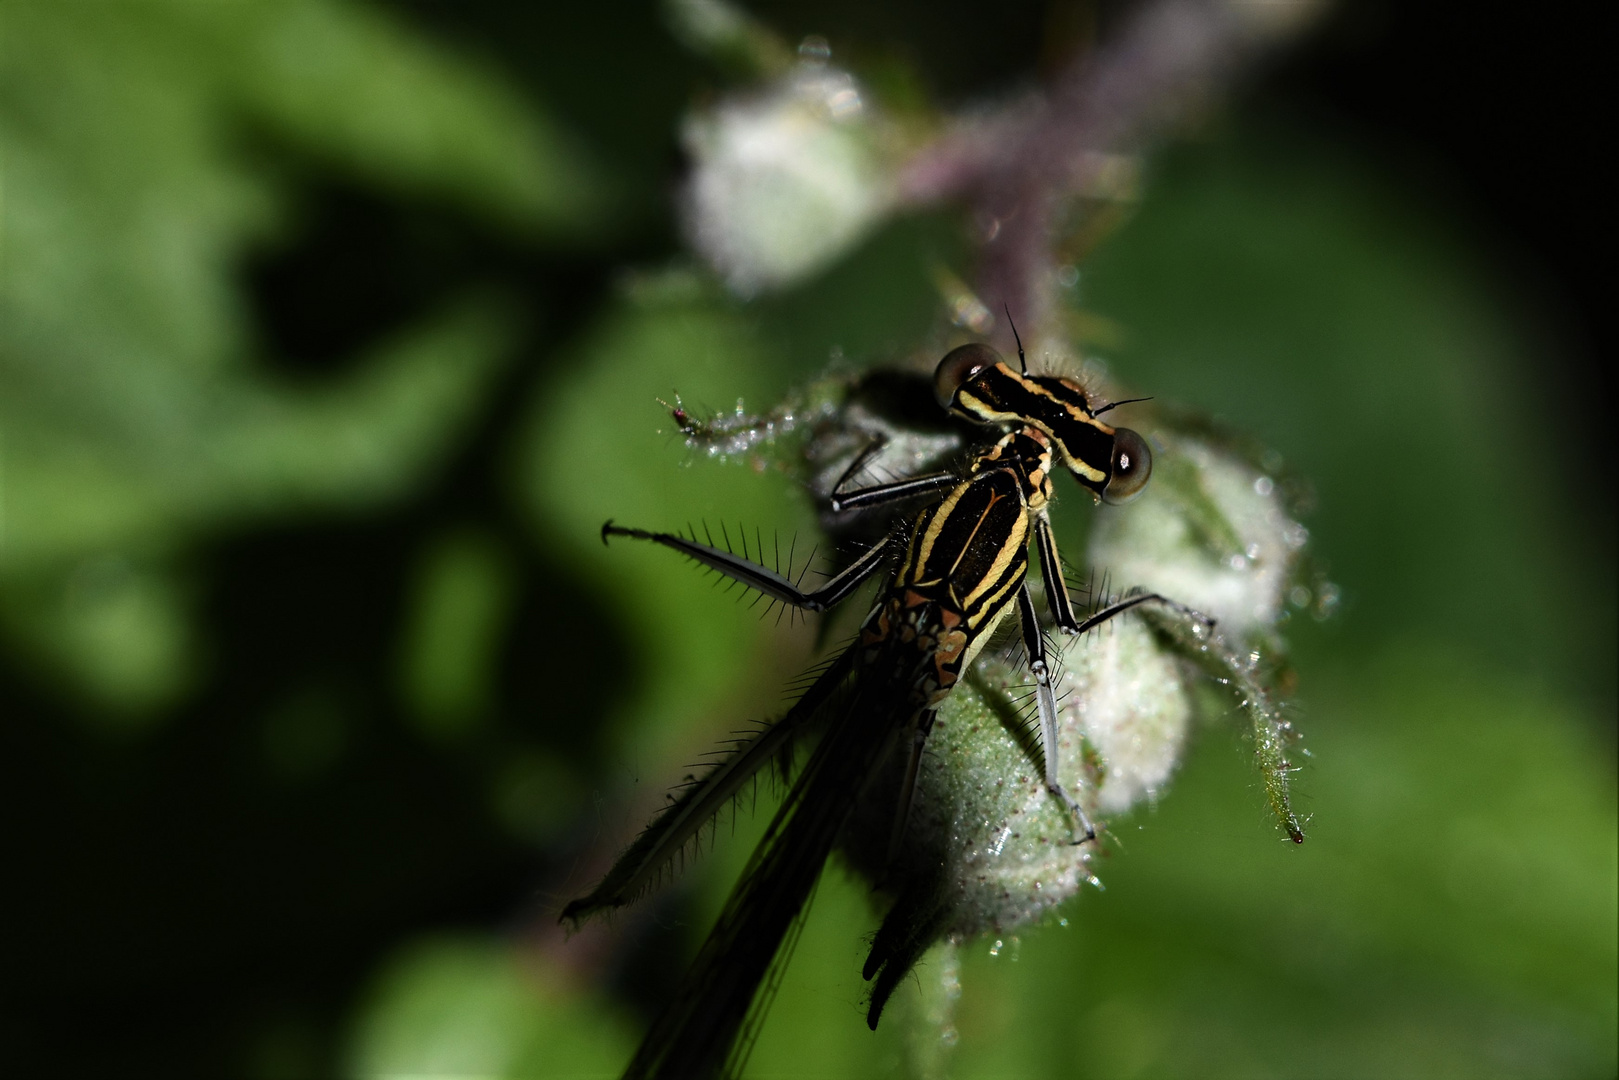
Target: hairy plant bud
{"x":1211,"y":531}
{"x":987,"y":847}
{"x":784,"y":180}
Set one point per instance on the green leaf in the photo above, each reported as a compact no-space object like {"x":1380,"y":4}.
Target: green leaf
{"x":473,"y":1007}
{"x":133,"y":422}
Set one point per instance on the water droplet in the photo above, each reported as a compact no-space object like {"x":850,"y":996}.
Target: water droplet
{"x":1327,"y":599}
{"x":844,"y":103}
{"x":1264,"y":485}
{"x":815,"y":49}
{"x":995,"y":949}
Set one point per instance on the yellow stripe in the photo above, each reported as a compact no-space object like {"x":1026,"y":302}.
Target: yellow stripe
{"x":1016,"y":541}
{"x":981,"y":636}
{"x":925,"y":549}
{"x":991,"y":603}
{"x":1079,"y":415}
{"x":1080,"y":467}
{"x":981,"y":409}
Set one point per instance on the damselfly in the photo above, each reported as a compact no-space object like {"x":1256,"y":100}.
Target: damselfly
{"x":959,"y":568}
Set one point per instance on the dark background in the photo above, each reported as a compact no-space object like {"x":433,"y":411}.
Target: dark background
{"x":171,"y":901}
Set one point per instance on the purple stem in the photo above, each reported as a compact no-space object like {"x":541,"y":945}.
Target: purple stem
{"x":1017,"y":168}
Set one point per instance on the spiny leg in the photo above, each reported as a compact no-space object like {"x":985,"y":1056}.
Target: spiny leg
{"x":1121,"y":606}
{"x":882,"y":494}
{"x":1034,"y":644}
{"x":867,"y":452}
{"x":763,"y":579}
{"x":1062,"y":610}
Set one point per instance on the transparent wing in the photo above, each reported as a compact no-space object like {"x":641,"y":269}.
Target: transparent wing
{"x":699,"y":1035}
{"x":655,"y":851}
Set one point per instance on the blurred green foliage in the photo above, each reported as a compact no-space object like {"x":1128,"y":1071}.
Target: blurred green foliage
{"x":462,"y":598}
{"x":1435,"y":923}
{"x":140,"y":147}
{"x":467,"y":1007}
{"x":364,"y":822}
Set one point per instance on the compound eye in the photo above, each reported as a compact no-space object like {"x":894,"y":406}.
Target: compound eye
{"x":959,"y":365}
{"x":1132,"y":465}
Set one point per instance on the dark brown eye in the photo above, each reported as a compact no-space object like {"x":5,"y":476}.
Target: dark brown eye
{"x":1132,"y":465}
{"x":959,"y":365}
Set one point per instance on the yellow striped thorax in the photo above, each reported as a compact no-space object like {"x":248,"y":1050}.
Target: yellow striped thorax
{"x":973,"y":382}
{"x":966,"y":560}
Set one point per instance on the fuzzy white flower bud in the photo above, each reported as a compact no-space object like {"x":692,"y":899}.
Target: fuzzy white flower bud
{"x":784,"y":181}
{"x":989,"y":848}
{"x":1127,"y":697}
{"x":1209,"y":531}
{"x":1007,"y":844}
{"x":981,"y":844}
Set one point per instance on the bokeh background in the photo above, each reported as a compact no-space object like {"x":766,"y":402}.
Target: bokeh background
{"x":329,"y":335}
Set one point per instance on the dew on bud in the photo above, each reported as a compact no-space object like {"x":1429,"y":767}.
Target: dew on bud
{"x":1209,"y":531}
{"x":1127,"y":699}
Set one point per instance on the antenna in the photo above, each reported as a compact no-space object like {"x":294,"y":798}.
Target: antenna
{"x":1021,"y":363}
